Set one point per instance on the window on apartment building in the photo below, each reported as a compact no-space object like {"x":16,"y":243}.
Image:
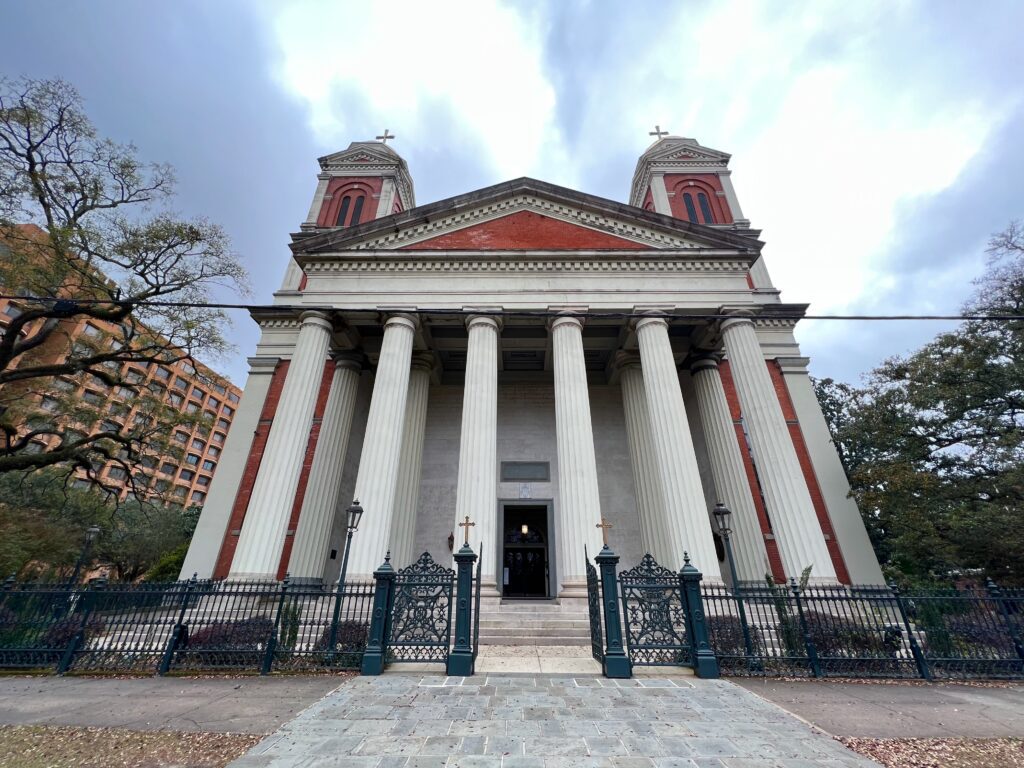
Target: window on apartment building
{"x":192,"y":459}
{"x":13,"y":311}
{"x":168,"y":468}
{"x":213,"y":402}
{"x":228,"y":411}
{"x":110,"y":426}
{"x":198,"y":444}
{"x":93,"y":398}
{"x":117,"y":473}
{"x":210,"y":415}
{"x":223,"y":423}
{"x":65,"y":385}
{"x":181,"y":437}
{"x":35,"y":447}
{"x":135,"y":377}
{"x":180,"y":491}
{"x":181,"y":383}
{"x":124,"y":392}
{"x":218,"y":438}
{"x":176,"y":399}
{"x":148,"y":461}
{"x":193,"y":407}
{"x":232,"y":397}
{"x":91,"y":331}
{"x":219,"y":388}
{"x":198,"y":497}
{"x":186,"y":475}
{"x":209,"y":466}
{"x":162,"y":373}
{"x":188,"y":368}
{"x":213,"y":451}
{"x":49,"y":404}
{"x":203,"y":480}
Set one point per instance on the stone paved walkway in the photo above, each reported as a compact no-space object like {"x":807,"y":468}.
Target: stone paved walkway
{"x":416,"y":721}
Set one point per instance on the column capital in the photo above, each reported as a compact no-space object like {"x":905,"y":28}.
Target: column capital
{"x":566,"y":319}
{"x":348,"y":359}
{"x":735,"y":316}
{"x":423,"y":361}
{"x":493,"y":321}
{"x":643,"y":321}
{"x":624,"y":360}
{"x":410,"y":321}
{"x":316,"y":317}
{"x":704,"y":361}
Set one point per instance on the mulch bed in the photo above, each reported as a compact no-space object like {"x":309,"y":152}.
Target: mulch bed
{"x":941,"y":753}
{"x":37,"y":746}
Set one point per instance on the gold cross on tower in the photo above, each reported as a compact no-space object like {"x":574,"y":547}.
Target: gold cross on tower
{"x":384,"y":139}
{"x":656,"y":132}
{"x":467,"y":525}
{"x":604,"y":526}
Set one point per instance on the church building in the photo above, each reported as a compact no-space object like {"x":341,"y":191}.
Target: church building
{"x":540,"y":360}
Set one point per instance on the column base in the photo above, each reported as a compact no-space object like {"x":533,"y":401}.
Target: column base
{"x":238,"y":576}
{"x":573,"y":588}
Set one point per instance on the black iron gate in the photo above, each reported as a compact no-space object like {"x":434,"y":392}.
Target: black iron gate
{"x":594,"y":606}
{"x":421,"y":616}
{"x":476,"y":606}
{"x":654,"y":615}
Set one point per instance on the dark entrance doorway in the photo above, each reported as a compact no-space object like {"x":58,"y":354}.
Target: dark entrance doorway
{"x":525,"y":551}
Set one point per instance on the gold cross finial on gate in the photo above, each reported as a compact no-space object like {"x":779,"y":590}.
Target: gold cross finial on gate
{"x":467,"y":525}
{"x":604,"y":526}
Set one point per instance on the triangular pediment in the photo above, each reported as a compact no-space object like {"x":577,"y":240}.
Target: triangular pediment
{"x":525,"y":230}
{"x":361,"y":152}
{"x":525,"y":214}
{"x":676,"y":148}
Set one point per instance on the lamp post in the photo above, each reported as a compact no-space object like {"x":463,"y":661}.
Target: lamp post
{"x":722,"y":514}
{"x":90,"y":536}
{"x":355,"y":514}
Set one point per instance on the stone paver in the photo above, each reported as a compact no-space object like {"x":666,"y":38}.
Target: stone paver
{"x":544,"y":721}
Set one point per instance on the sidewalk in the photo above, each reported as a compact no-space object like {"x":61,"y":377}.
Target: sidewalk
{"x":899,"y":711}
{"x":236,"y":705}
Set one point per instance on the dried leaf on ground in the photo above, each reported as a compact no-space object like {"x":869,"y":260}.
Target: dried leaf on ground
{"x":941,"y":753}
{"x":35,"y":746}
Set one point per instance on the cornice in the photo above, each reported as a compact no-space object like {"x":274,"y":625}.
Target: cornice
{"x":488,"y":264}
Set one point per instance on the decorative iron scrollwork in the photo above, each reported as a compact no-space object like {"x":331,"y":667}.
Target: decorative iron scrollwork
{"x":594,"y":607}
{"x":654,"y":617}
{"x":422,"y":612}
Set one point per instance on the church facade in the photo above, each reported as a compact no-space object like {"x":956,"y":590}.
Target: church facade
{"x":539,"y":360}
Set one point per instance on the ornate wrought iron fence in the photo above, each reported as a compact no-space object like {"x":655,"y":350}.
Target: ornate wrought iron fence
{"x":594,"y":609}
{"x":184,"y":626}
{"x":865,"y":631}
{"x":476,"y":605}
{"x":654,"y":615}
{"x":421,"y":613}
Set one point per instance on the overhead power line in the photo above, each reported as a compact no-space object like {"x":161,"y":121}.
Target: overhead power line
{"x":66,"y":305}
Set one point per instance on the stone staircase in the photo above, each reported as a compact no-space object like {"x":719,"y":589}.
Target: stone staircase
{"x":534,"y":622}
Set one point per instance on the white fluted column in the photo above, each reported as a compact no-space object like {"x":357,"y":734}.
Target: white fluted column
{"x":261,"y":541}
{"x":728,"y":471}
{"x":686,"y":523}
{"x":477,"y":491}
{"x":377,"y":478}
{"x":320,"y":504}
{"x":578,"y":494}
{"x":801,"y":542}
{"x":410,"y":463}
{"x":646,"y":479}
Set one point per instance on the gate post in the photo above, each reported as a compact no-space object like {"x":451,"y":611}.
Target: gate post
{"x":616,"y":662}
{"x":996,"y":594}
{"x":383,"y":597}
{"x":705,"y":663}
{"x":460,"y":660}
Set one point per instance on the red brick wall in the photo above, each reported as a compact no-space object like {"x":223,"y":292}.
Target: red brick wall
{"x":252,"y":467}
{"x":771,"y":546}
{"x":525,"y":230}
{"x":307,"y":465}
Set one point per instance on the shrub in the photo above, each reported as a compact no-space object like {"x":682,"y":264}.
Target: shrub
{"x":168,"y":567}
{"x":844,"y":636}
{"x":725,"y":634}
{"x":243,"y":635}
{"x":349,"y":642}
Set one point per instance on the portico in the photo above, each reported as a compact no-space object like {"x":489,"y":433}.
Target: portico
{"x":534,"y":346}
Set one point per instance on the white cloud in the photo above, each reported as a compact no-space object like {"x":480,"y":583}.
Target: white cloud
{"x":476,"y":58}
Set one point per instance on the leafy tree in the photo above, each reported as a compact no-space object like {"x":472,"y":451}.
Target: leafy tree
{"x":84,"y":220}
{"x":933,"y":442}
{"x":43,"y":524}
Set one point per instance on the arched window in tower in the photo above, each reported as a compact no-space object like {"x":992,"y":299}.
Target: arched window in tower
{"x":357,"y":210}
{"x":705,"y":208}
{"x":691,"y":212}
{"x":346,"y":201}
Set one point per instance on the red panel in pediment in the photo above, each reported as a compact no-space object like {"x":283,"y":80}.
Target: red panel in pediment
{"x":525,"y":230}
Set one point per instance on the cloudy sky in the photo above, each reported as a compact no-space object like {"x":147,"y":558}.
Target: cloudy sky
{"x":877,"y":144}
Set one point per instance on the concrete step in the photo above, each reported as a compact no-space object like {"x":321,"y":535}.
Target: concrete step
{"x":529,"y":624}
{"x":531,"y":640}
